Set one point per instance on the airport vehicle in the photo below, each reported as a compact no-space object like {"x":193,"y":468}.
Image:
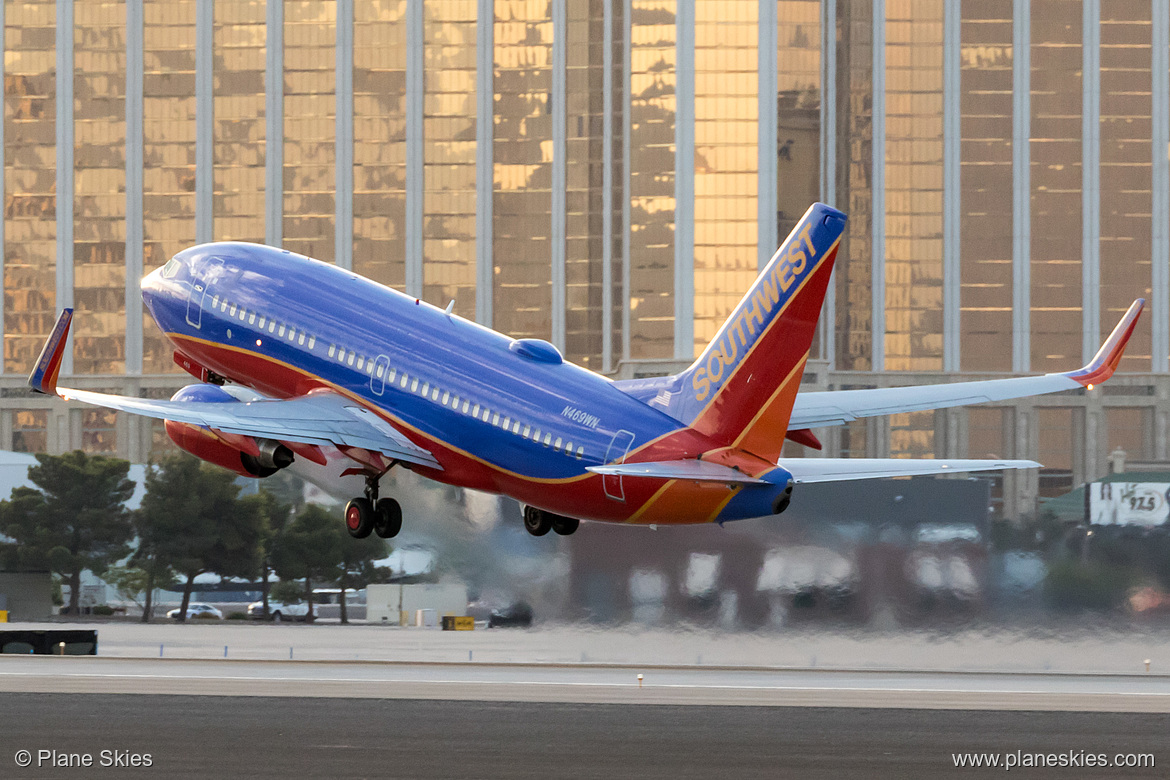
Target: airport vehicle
{"x":197,"y":609}
{"x":303,"y":362}
{"x":278,"y":611}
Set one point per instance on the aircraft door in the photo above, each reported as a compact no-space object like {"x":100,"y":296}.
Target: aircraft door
{"x":619,"y":447}
{"x":201,"y":280}
{"x":378,"y":377}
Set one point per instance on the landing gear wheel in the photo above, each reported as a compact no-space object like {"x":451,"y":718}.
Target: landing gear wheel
{"x":565,"y":526}
{"x":387,"y":518}
{"x":536,"y":522}
{"x":359,"y":518}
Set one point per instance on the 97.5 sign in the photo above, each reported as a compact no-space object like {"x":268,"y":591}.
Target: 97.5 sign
{"x":1129,"y":503}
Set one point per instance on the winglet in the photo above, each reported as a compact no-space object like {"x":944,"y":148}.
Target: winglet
{"x":1104,"y":363}
{"x":43,"y":378}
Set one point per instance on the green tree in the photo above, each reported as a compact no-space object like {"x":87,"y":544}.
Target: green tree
{"x":309,"y":549}
{"x":276,"y":514}
{"x":74,"y":520}
{"x":193,"y":522}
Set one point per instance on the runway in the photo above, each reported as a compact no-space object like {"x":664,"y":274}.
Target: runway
{"x":591,"y":684}
{"x":209,"y":736}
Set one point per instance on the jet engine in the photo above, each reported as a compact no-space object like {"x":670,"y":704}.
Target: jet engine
{"x":245,"y":455}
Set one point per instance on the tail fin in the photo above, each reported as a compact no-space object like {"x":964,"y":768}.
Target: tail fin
{"x":740,"y":391}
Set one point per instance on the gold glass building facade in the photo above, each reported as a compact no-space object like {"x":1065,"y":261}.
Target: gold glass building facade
{"x":1003,"y":164}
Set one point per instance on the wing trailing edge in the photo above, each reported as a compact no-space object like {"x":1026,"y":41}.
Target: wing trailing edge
{"x":808,"y":470}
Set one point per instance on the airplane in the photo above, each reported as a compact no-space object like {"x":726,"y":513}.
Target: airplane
{"x":304,"y":362}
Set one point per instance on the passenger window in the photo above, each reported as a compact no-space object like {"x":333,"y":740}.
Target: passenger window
{"x":352,"y":355}
{"x":312,"y":341}
{"x":252,"y":318}
{"x":414,"y":385}
{"x":292,"y":333}
{"x":466,"y":406}
{"x":271,"y":326}
{"x":486,"y":415}
{"x":361,"y":363}
{"x":232,"y":310}
{"x":405,"y":378}
{"x":381,"y":371}
{"x":263,"y":321}
{"x":547,"y":439}
{"x":516,"y":427}
{"x":507,"y":423}
{"x":527,"y":430}
{"x":557,"y":444}
{"x":435,"y":394}
{"x":475,"y":411}
{"x":391,"y":375}
{"x":332,"y":350}
{"x":446,"y":397}
{"x":580,"y":452}
{"x":426,"y":390}
{"x":215,"y":302}
{"x":496,"y":418}
{"x":370,"y":367}
{"x":223,"y":305}
{"x":301,"y":338}
{"x":281,"y":331}
{"x":568,"y":448}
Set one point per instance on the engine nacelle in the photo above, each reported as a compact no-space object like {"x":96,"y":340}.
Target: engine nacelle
{"x":244,"y":455}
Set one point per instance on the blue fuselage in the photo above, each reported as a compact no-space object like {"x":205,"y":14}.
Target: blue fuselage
{"x":499,"y":414}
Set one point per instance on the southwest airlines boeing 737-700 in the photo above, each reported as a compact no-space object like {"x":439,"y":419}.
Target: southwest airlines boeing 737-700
{"x":302,"y":361}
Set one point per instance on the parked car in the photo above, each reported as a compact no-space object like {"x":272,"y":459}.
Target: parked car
{"x":518,"y":614}
{"x":278,"y":611}
{"x":198,"y":610}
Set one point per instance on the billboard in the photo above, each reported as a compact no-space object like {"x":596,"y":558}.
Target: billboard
{"x":1129,"y":503}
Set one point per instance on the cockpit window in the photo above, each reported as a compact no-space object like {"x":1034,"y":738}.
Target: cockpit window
{"x":171,"y":268}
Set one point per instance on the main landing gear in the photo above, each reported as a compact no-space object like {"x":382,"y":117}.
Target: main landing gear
{"x":382,"y":516}
{"x":539,"y":522}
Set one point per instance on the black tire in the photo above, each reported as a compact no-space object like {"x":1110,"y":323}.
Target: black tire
{"x":276,"y":616}
{"x":565,"y":526}
{"x":387,"y":518}
{"x":359,"y":518}
{"x":536,"y":522}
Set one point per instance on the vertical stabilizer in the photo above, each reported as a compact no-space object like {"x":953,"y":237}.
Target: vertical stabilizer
{"x":740,"y":391}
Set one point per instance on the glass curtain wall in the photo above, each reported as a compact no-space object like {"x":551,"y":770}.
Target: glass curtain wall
{"x":985,"y":231}
{"x":522,"y":184}
{"x":652,"y":112}
{"x":1056,"y":184}
{"x":726,"y":159}
{"x":310,"y":110}
{"x":168,"y":134}
{"x":853,"y":270}
{"x":99,"y":198}
{"x":238,"y":147}
{"x":449,"y":129}
{"x":30,"y":164}
{"x":1126,"y":171}
{"x":379,"y":141}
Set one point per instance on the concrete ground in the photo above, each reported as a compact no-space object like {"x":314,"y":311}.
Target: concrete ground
{"x":205,"y":736}
{"x":1065,"y":649}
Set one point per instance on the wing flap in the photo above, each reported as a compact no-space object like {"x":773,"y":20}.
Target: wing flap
{"x":808,"y":470}
{"x":692,"y":470}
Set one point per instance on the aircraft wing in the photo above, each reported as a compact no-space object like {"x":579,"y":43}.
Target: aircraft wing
{"x":824,"y":409}
{"x":806,"y":470}
{"x":321,"y":417}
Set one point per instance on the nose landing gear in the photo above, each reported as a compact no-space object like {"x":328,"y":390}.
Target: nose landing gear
{"x":371,"y":514}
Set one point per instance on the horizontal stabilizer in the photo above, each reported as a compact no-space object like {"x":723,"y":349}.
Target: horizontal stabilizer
{"x":693,"y":470}
{"x":806,"y":470}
